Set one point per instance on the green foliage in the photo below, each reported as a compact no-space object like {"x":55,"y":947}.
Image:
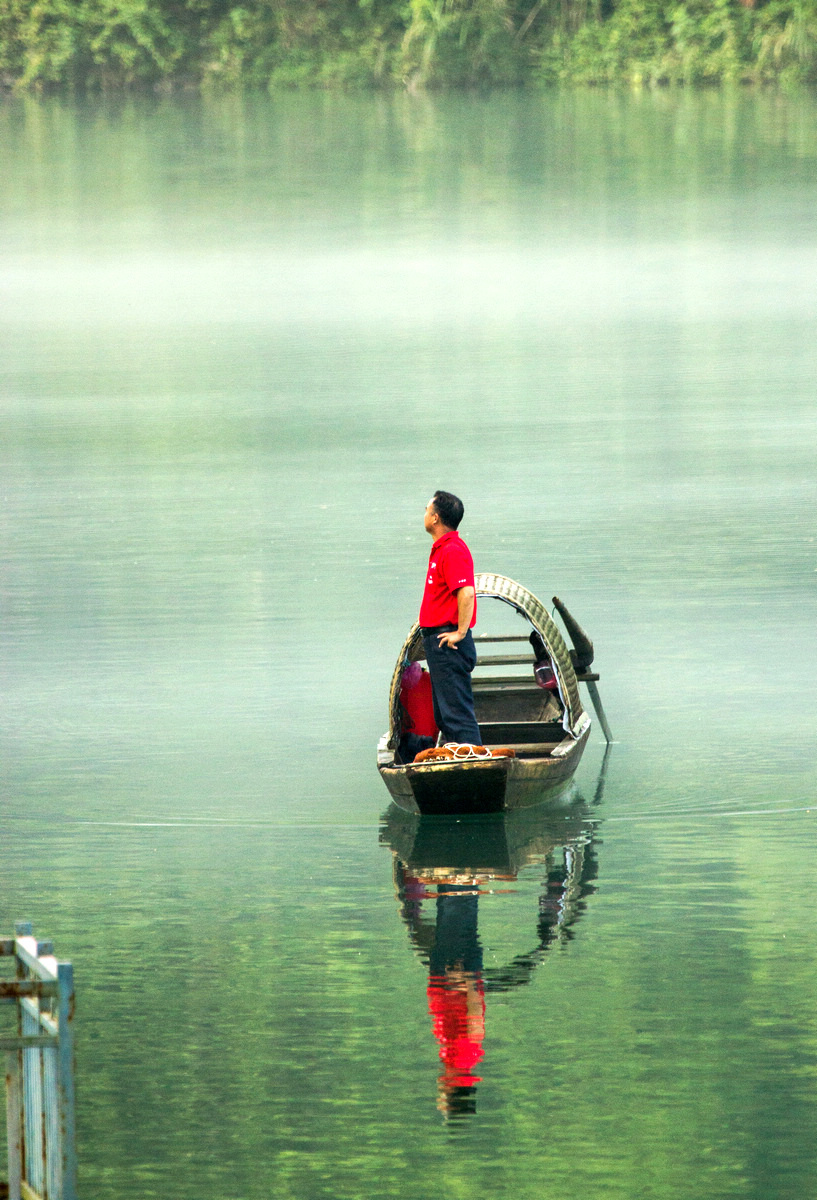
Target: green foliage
{"x":641,"y":42}
{"x":460,"y":42}
{"x":784,"y":41}
{"x":414,"y":43}
{"x":293,"y":43}
{"x":129,"y":40}
{"x":103,"y":42}
{"x":38,"y":42}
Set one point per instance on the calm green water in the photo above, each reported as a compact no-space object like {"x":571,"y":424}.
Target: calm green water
{"x":241,"y":342}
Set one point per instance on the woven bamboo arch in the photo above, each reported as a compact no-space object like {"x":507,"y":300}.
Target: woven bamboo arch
{"x":499,"y":587}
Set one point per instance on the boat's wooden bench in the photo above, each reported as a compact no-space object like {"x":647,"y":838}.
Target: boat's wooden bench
{"x":480,"y":638}
{"x":519,"y":733}
{"x":522,"y":682}
{"x":526,"y":749}
{"x":505,"y":660}
{"x":505,"y":683}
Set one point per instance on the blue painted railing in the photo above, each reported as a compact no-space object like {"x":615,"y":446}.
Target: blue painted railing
{"x":42,"y":1160}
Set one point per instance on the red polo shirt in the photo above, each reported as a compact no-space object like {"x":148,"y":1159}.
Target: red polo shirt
{"x":450,"y":567}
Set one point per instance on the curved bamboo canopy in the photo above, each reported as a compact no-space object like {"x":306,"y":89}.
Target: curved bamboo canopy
{"x":499,"y":587}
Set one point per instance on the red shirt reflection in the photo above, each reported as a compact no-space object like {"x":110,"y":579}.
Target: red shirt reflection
{"x":456,"y":1002}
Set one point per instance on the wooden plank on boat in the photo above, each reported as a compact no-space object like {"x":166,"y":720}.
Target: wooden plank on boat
{"x":507,"y":733}
{"x":506,"y":660}
{"x":505,"y":637}
{"x":528,"y":749}
{"x":587,"y":677}
{"x":563,"y":748}
{"x":520,"y":660}
{"x":505,"y":683}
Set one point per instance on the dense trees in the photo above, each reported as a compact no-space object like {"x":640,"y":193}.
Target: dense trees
{"x":115,"y":43}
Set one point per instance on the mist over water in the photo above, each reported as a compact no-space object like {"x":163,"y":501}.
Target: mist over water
{"x":242,"y":340}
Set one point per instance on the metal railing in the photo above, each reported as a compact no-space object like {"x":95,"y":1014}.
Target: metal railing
{"x":42,"y":1161}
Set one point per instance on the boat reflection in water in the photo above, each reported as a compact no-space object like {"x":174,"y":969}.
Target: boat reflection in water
{"x":452,"y":862}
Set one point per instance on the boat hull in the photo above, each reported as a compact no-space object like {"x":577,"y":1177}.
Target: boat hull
{"x":482,"y":785}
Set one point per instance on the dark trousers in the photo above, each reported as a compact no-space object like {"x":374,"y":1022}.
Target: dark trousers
{"x":450,"y":672}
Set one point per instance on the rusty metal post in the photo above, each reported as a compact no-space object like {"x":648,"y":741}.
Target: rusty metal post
{"x":65,"y":1080}
{"x":21,"y":929}
{"x":14,"y":1123}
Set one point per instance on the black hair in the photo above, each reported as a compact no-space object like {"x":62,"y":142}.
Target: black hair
{"x":448,"y":508}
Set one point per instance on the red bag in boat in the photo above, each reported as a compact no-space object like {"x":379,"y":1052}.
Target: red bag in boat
{"x":544,"y":676}
{"x":415,"y":696}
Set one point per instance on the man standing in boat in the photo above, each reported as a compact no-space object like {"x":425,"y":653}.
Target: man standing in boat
{"x":447,"y":615}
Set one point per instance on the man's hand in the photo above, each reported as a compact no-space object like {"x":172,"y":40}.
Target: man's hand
{"x":465,"y":611}
{"x":450,"y":639}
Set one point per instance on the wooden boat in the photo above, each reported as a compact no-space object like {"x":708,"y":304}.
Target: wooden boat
{"x":547,"y":729}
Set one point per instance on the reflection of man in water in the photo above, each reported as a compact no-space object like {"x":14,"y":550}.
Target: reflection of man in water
{"x":456,"y":996}
{"x":458,"y":980}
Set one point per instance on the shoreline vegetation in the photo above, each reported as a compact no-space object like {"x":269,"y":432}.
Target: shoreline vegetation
{"x":102,"y":45}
